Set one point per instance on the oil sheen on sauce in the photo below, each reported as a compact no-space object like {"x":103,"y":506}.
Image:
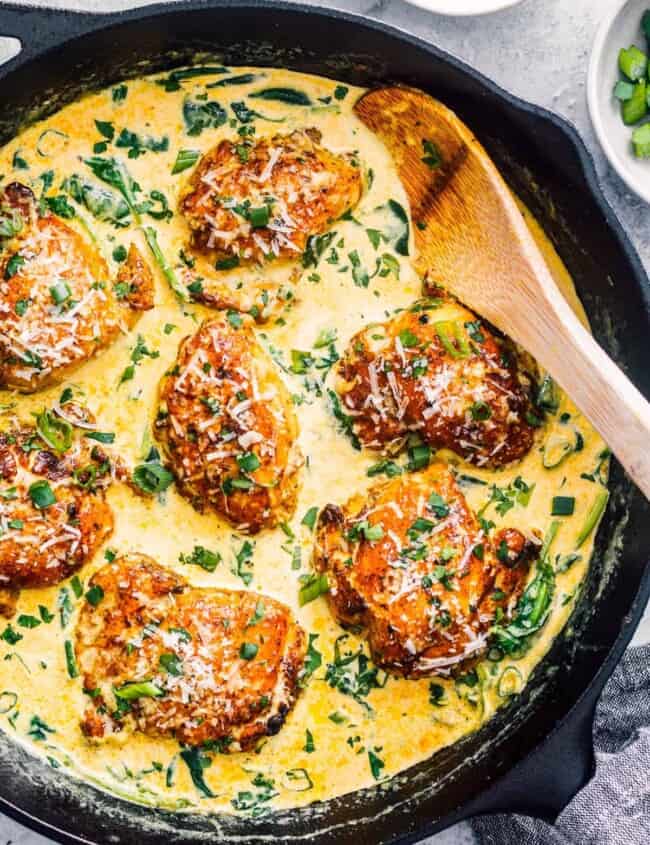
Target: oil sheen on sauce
{"x":332,"y":743}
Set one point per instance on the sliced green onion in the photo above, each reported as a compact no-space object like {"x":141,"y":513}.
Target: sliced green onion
{"x":57,"y":433}
{"x":41,"y":495}
{"x":309,"y":519}
{"x":593,"y":516}
{"x":633,"y":63}
{"x":8,"y":700}
{"x":259,"y":217}
{"x":623,"y":90}
{"x":511,"y":682}
{"x":563,"y":505}
{"x":247,"y":651}
{"x":94,"y":595}
{"x":13,"y":266}
{"x":565,"y":562}
{"x":636,"y":108}
{"x":166,"y":268}
{"x":297,"y":780}
{"x":60,"y":292}
{"x":70,"y":660}
{"x":547,"y":396}
{"x":316,"y":586}
{"x":138,"y":689}
{"x":556,"y":449}
{"x":451,"y":336}
{"x":184,"y":160}
{"x":101,"y":436}
{"x":549,"y":537}
{"x":419,"y":456}
{"x":641,"y":141}
{"x":196,"y":761}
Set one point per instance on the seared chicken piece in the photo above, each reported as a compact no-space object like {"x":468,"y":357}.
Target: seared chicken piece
{"x":256,"y":201}
{"x":227,"y":425}
{"x":53,"y":514}
{"x":410,"y":563}
{"x":200,"y":665}
{"x":268,"y":202}
{"x":450,"y":380}
{"x":57,"y":305}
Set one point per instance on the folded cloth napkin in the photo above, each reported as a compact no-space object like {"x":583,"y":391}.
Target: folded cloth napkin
{"x":614,"y":807}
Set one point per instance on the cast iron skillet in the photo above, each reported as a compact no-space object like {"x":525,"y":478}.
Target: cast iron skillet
{"x":535,"y":754}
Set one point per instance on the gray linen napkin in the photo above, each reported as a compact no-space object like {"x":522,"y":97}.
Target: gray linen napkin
{"x":614,"y":807}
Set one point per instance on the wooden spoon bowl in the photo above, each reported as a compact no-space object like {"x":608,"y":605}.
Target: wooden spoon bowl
{"x":472,"y":239}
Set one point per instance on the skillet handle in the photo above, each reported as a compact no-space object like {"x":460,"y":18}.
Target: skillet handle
{"x":38,"y":28}
{"x":546,"y":781}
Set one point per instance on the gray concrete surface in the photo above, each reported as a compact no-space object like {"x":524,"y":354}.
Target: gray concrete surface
{"x":538,"y":50}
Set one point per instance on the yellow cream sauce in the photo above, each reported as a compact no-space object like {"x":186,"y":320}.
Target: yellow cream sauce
{"x":403,"y":727}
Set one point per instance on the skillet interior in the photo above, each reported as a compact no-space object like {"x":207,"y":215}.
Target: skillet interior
{"x":539,"y":157}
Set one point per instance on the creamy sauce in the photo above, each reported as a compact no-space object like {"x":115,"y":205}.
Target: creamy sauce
{"x":402,"y":727}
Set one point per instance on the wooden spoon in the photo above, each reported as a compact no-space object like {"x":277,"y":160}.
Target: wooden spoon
{"x":472,"y":238}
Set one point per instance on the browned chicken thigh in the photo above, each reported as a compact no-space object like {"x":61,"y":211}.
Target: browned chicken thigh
{"x":449,"y":380}
{"x":228,"y":428}
{"x":268,"y":202}
{"x":257,"y":203}
{"x":200,"y":665}
{"x":411,"y":564}
{"x":58,"y":307}
{"x":53,"y":512}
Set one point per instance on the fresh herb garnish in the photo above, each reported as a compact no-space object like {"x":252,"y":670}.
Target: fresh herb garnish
{"x":289,"y":96}
{"x":202,"y":557}
{"x":197,"y":761}
{"x":353,"y":674}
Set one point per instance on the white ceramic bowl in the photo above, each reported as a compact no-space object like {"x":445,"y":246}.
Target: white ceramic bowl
{"x":464,"y":7}
{"x":620,"y":28}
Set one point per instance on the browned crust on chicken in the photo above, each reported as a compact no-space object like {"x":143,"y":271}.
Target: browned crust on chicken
{"x":410,"y":563}
{"x":451,"y":381}
{"x":226,"y":662}
{"x":42,"y":546}
{"x":228,"y":428}
{"x":136,"y":277}
{"x":58,"y":307}
{"x":305,"y":186}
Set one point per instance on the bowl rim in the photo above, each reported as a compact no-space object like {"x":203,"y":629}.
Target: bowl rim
{"x":441,"y":7}
{"x":594,"y":104}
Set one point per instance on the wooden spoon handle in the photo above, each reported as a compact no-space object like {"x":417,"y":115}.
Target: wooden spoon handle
{"x":562,"y":345}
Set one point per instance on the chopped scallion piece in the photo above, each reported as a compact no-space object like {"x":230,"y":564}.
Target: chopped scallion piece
{"x":259,"y":217}
{"x":316,"y":586}
{"x":633,"y":63}
{"x":41,"y":495}
{"x":138,"y":689}
{"x":60,"y":292}
{"x":70,"y":660}
{"x":94,"y":595}
{"x":623,"y":90}
{"x":101,"y":436}
{"x":57,"y":433}
{"x":636,"y":108}
{"x":247,"y":651}
{"x":309,"y":519}
{"x":184,"y":160}
{"x":641,"y":141}
{"x":563,"y":505}
{"x":593,"y":516}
